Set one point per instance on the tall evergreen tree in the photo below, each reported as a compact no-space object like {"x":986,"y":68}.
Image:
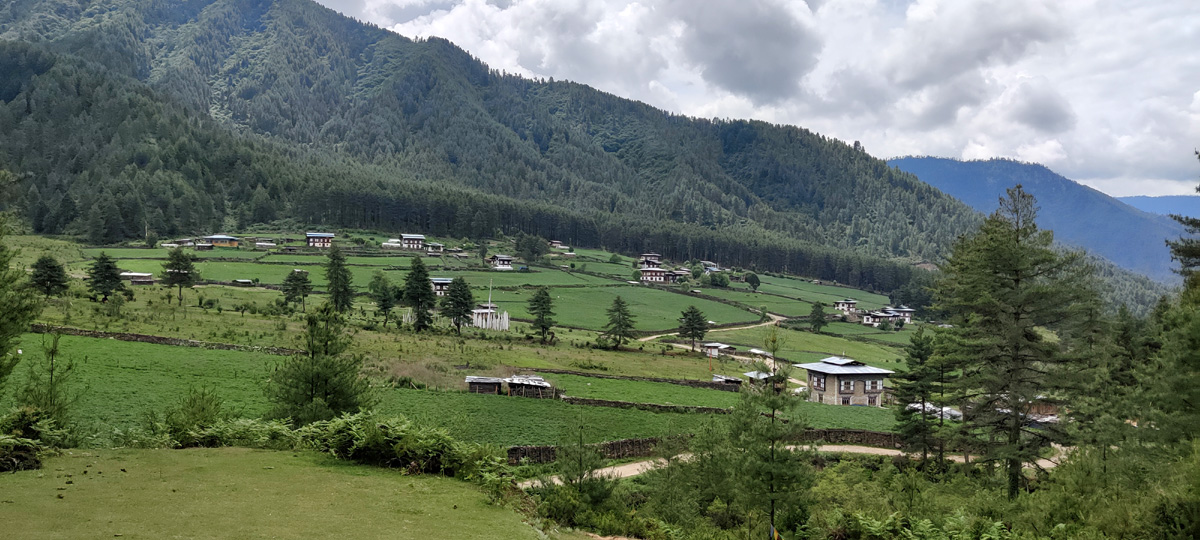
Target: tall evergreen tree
{"x":179,"y":270}
{"x":104,"y":278}
{"x":49,"y":277}
{"x":541,"y":306}
{"x":1187,"y":250}
{"x":1003,"y":286}
{"x":419,"y":295}
{"x":296,"y":287}
{"x":323,"y":381}
{"x":458,"y":303}
{"x":816,"y":317}
{"x":341,"y":293}
{"x":619,"y":328}
{"x":693,"y":325}
{"x":383,"y":293}
{"x":916,"y":413}
{"x":18,"y":304}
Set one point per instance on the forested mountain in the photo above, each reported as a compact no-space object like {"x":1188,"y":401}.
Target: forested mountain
{"x":127,"y":116}
{"x":1079,"y":215}
{"x":1185,"y":205}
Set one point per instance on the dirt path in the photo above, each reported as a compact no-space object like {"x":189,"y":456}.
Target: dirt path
{"x":638,"y":467}
{"x":770,"y":362}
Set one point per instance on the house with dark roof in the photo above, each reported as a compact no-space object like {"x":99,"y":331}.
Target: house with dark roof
{"x":844,"y":381}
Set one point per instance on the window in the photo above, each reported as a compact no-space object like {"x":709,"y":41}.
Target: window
{"x":874,"y":385}
{"x":845,"y":400}
{"x":871,"y":400}
{"x":847,"y":386}
{"x":818,"y":382}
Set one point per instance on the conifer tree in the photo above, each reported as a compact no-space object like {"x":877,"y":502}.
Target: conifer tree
{"x":916,"y":414}
{"x":179,"y":270}
{"x":296,"y":287}
{"x":341,"y":294}
{"x":383,"y":293}
{"x":104,"y":278}
{"x":1187,"y":250}
{"x":619,"y":328}
{"x":693,"y":325}
{"x":458,"y":303}
{"x":816,"y":317}
{"x":323,"y":381}
{"x":419,"y":295}
{"x":541,"y":306}
{"x":18,"y":305}
{"x":1002,"y":287}
{"x":49,"y":277}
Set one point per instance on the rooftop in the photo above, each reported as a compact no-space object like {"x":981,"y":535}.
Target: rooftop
{"x":319,"y":234}
{"x":474,"y":379}
{"x":413,"y":236}
{"x":441,"y":279}
{"x":837,"y":365}
{"x":220,"y":237}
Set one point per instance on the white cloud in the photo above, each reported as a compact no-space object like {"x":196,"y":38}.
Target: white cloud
{"x":1106,"y":91}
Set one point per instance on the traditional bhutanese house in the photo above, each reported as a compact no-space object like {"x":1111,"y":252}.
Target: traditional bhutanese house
{"x":675,"y":276}
{"x":844,"y":381}
{"x":501,"y":262}
{"x":319,"y":239}
{"x":651,"y":257}
{"x":529,"y":386}
{"x":715,"y":349}
{"x":484,"y":385}
{"x":724,"y":379}
{"x":555,"y":244}
{"x":441,"y":285}
{"x":846,"y":306}
{"x":875,"y":318}
{"x":434,"y":247}
{"x":222,"y":240}
{"x":203,"y":247}
{"x":654,"y":275}
{"x":413,"y":241}
{"x":904,"y":313}
{"x":392,"y":243}
{"x":651,"y":262}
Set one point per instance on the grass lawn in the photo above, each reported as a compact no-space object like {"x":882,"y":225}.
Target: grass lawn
{"x":788,"y":307}
{"x":640,"y":391}
{"x":30,"y":248}
{"x":653,"y":309}
{"x":810,"y":292}
{"x":796,"y":343}
{"x":901,"y":337}
{"x":240,"y":493}
{"x":161,"y":253}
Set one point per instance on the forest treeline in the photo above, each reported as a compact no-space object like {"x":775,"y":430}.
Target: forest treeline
{"x":129,"y":117}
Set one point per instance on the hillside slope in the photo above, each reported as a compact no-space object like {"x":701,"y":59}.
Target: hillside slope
{"x":1186,"y":205}
{"x":301,"y":80}
{"x":1079,"y":215}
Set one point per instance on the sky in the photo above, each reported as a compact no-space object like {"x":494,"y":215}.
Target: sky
{"x":1105,"y":92}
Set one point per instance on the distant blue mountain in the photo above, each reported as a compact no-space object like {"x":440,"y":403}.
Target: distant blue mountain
{"x":1185,"y":205}
{"x":1078,"y":215}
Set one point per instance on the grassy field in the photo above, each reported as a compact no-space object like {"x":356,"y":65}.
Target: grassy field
{"x":788,"y":307}
{"x":30,"y":247}
{"x":810,"y":292}
{"x":640,"y":391}
{"x":801,"y":345}
{"x":654,"y":309}
{"x":901,"y":337}
{"x":239,"y":493}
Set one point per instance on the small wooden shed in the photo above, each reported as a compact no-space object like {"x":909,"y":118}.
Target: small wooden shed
{"x":483,"y":385}
{"x":529,"y":386}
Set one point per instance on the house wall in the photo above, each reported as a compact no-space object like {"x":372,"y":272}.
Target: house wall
{"x":832,"y":393}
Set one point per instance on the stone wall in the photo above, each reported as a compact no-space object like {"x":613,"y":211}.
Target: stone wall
{"x":644,"y":406}
{"x":683,"y":382}
{"x":159,"y":340}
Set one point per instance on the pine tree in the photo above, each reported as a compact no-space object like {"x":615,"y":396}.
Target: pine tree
{"x":18,"y":305}
{"x":104,"y":278}
{"x":419,"y":295}
{"x":693,"y":325}
{"x":816,"y":317}
{"x":179,"y":270}
{"x":1002,"y":287}
{"x":458,"y":303}
{"x":296,"y":287}
{"x":48,"y":385}
{"x":620,"y":323}
{"x":383,"y":293}
{"x":541,"y":306}
{"x":341,"y":294}
{"x":323,"y":381}
{"x":1187,"y":250}
{"x":913,"y":388}
{"x":49,"y":277}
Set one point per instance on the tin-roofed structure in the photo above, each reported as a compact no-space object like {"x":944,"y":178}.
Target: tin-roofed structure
{"x":484,"y":385}
{"x":529,"y":386}
{"x":838,"y":380}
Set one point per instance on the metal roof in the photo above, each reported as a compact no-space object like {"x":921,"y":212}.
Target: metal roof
{"x":528,"y":380}
{"x":840,"y":360}
{"x":718,"y":345}
{"x":220,"y":237}
{"x":319,"y":234}
{"x":725,"y":379}
{"x":834,"y":369}
{"x":413,"y":236}
{"x":474,"y":379}
{"x":757,"y":375}
{"x":441,"y":279}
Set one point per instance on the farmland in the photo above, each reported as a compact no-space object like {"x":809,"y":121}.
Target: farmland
{"x":654,"y":309}
{"x":801,"y":345}
{"x":240,"y":493}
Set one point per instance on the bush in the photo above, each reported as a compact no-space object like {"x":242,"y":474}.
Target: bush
{"x":26,"y":434}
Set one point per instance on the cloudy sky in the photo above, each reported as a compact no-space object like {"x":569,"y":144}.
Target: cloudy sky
{"x":1106,"y":92}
